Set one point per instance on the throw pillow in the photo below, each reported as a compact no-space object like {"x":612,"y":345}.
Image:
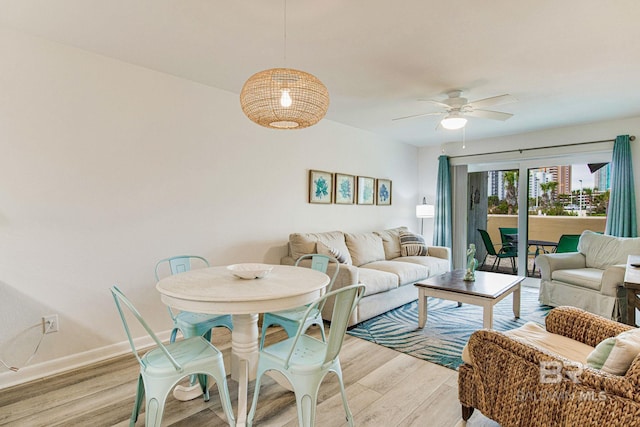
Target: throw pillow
{"x":621,"y":356}
{"x":599,"y":355}
{"x":614,"y":355}
{"x":412,"y":244}
{"x":333,"y":252}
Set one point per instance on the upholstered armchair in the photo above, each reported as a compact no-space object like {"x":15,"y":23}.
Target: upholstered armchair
{"x":591,"y":278}
{"x":517,"y":383}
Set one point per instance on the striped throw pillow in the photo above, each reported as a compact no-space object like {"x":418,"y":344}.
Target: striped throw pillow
{"x":412,"y":244}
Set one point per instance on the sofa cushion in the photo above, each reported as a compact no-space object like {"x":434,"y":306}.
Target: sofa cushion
{"x":584,"y":277}
{"x":332,"y":252}
{"x":364,"y":247}
{"x":391,"y":241}
{"x":602,"y":251}
{"x":407,"y":272}
{"x":536,"y":335}
{"x":412,"y":244}
{"x":435,"y":265}
{"x":376,"y":281}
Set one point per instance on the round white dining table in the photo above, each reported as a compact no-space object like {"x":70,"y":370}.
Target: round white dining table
{"x":215,"y":290}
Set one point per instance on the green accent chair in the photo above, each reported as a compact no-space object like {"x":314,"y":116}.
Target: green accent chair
{"x":305,"y":360}
{"x":505,"y":252}
{"x":290,"y":320}
{"x":164,"y":366}
{"x":568,"y":243}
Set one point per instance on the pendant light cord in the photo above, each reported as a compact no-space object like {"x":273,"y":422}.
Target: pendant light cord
{"x":285,"y":34}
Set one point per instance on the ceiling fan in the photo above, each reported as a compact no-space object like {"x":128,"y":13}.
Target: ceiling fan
{"x":456,"y":107}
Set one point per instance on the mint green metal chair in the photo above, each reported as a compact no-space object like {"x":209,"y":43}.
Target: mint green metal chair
{"x":191,"y":324}
{"x":305,"y":360}
{"x":291,"y":319}
{"x":164,"y":366}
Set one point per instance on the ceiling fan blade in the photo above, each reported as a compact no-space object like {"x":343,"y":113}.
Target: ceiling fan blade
{"x":416,"y":115}
{"x":487,"y":114}
{"x":438,"y":103}
{"x":493,"y":101}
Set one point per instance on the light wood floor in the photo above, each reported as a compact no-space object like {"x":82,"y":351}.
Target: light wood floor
{"x":384,"y":388}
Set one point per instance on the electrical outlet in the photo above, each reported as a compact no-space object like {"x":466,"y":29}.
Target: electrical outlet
{"x":50,"y":324}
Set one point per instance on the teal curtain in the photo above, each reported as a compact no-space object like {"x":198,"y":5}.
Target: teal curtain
{"x":621,"y":214}
{"x":443,"y":217}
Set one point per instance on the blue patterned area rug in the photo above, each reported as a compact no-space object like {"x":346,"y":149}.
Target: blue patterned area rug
{"x":448,"y":326}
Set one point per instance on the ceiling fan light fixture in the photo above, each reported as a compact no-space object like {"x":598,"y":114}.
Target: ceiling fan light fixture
{"x":453,"y":122}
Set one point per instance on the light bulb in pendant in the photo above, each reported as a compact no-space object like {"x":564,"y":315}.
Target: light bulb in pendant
{"x":285,"y":98}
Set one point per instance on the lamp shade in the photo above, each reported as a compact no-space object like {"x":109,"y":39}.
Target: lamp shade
{"x":284,"y":98}
{"x":425,"y":211}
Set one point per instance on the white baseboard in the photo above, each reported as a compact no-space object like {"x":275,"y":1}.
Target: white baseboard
{"x":74,"y":361}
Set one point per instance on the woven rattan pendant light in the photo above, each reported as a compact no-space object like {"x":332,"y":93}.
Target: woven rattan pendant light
{"x":284,"y":98}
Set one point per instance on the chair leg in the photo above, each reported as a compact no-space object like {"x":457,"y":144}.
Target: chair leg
{"x":347,"y":411}
{"x":174,"y":334}
{"x":484,"y":260}
{"x":154,"y":410}
{"x":466,"y":412}
{"x":254,"y":404}
{"x":306,"y":402}
{"x":138,"y":401}
{"x":223,"y":391}
{"x":203,"y":385}
{"x":263,"y":334}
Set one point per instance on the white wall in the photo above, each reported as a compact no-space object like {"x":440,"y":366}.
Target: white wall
{"x":107,"y":167}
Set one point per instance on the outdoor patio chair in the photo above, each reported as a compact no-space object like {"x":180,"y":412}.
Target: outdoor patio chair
{"x":504,"y":252}
{"x":568,"y":243}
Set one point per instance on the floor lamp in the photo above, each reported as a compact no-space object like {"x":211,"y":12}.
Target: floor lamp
{"x":424,"y":211}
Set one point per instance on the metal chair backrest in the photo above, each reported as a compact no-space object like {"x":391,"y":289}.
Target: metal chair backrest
{"x":179,"y":263}
{"x":321,"y":263}
{"x":120,"y":299}
{"x":488,"y":244}
{"x":568,"y":243}
{"x":345,"y":301}
{"x":506,"y":235}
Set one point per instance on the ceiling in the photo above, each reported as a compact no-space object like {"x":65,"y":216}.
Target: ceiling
{"x":567,"y":62}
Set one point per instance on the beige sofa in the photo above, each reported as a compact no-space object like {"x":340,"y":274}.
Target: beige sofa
{"x":373,"y":259}
{"x":591,"y":278}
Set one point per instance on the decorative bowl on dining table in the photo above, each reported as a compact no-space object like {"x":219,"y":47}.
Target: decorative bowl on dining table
{"x":250,"y":270}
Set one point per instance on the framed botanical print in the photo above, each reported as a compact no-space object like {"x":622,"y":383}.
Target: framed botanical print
{"x":366,"y":190}
{"x":345,"y":189}
{"x":383,"y":192}
{"x":320,"y":187}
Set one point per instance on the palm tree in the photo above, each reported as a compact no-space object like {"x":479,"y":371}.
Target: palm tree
{"x":510,"y":179}
{"x":548,"y":189}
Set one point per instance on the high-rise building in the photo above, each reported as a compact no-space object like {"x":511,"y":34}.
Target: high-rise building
{"x":496,"y":184}
{"x":602,"y":178}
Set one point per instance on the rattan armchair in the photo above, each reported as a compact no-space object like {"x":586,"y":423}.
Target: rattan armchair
{"x":505,"y":384}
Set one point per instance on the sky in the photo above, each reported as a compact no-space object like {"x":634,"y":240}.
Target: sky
{"x":581,"y":172}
